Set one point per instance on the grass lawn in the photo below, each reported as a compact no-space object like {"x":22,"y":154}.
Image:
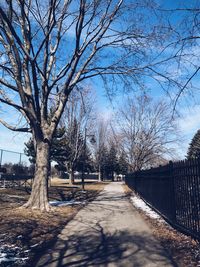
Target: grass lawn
{"x":26,"y":234}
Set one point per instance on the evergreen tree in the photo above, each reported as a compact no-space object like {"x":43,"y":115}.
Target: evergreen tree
{"x":194,"y":146}
{"x":75,"y":144}
{"x":122,"y":164}
{"x":85,"y":162}
{"x":103,"y":161}
{"x":67,"y":150}
{"x":58,"y":151}
{"x":30,"y":151}
{"x":112,"y":163}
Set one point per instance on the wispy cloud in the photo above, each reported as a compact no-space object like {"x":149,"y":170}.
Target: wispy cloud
{"x":190,"y":120}
{"x":188,"y":124}
{"x":106,"y":113}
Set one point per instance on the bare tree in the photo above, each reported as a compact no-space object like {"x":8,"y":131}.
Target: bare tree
{"x":78,"y":116}
{"x":147,"y":131}
{"x":101,"y":137}
{"x":50,"y":47}
{"x":177,"y":68}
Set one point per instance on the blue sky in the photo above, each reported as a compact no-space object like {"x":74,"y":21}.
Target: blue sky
{"x":189,"y":122}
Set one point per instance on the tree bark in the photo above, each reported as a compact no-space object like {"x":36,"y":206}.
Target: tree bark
{"x":99,"y":174}
{"x":71,"y":176}
{"x":39,"y":194}
{"x":112,"y":177}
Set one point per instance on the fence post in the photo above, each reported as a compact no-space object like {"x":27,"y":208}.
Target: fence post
{"x":198,"y":193}
{"x":1,"y":157}
{"x":20,"y":158}
{"x":173,"y":197}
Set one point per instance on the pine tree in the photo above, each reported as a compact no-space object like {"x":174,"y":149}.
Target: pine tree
{"x":112,"y":164}
{"x":85,"y":162}
{"x":194,"y":146}
{"x":58,"y":151}
{"x":122,"y":164}
{"x":30,"y":151}
{"x":75,"y":144}
{"x":103,"y":161}
{"x":67,"y":150}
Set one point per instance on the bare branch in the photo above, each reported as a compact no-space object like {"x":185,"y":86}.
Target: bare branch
{"x":15,"y":129}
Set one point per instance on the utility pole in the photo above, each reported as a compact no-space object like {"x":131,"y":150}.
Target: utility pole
{"x":1,"y":157}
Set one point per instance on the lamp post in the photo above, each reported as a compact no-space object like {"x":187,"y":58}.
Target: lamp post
{"x":1,"y":157}
{"x":92,"y":140}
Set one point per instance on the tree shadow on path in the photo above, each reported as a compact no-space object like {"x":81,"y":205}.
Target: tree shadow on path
{"x":108,"y":232}
{"x":97,"y":248}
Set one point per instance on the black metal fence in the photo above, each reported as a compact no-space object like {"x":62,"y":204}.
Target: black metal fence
{"x":174,"y":191}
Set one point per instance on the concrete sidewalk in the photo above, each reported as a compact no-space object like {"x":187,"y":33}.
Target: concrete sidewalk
{"x":107,"y":232}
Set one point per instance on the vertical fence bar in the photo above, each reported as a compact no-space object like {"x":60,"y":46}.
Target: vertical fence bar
{"x":198,"y":193}
{"x":187,"y":182}
{"x":185,"y":186}
{"x":173,"y":197}
{"x":191,"y":196}
{"x":194,"y":197}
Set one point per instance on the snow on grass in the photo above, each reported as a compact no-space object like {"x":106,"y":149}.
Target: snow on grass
{"x":140,"y":204}
{"x":10,"y":253}
{"x":65,"y":203}
{"x":36,"y":245}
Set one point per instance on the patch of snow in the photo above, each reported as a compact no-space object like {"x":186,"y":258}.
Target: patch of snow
{"x":140,"y":204}
{"x":11,"y":253}
{"x":35,"y":245}
{"x":16,"y":196}
{"x":2,"y":256}
{"x":5,"y":259}
{"x":2,"y":234}
{"x":65,"y":203}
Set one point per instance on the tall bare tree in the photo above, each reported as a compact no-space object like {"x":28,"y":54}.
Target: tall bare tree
{"x":147,"y":131}
{"x":102,"y":135}
{"x":49,"y":47}
{"x":78,"y":116}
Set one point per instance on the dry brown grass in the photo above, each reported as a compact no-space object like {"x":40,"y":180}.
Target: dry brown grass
{"x":184,"y":250}
{"x":127,"y":190}
{"x":33,"y":230}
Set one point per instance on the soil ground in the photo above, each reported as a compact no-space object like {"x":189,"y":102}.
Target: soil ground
{"x":24,"y":233}
{"x":184,"y":250}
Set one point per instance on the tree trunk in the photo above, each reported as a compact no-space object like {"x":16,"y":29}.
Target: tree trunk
{"x":39,"y":194}
{"x":71,"y":176}
{"x":112,"y":176}
{"x":99,"y":174}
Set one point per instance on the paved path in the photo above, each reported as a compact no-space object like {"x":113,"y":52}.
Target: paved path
{"x":107,"y":232}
